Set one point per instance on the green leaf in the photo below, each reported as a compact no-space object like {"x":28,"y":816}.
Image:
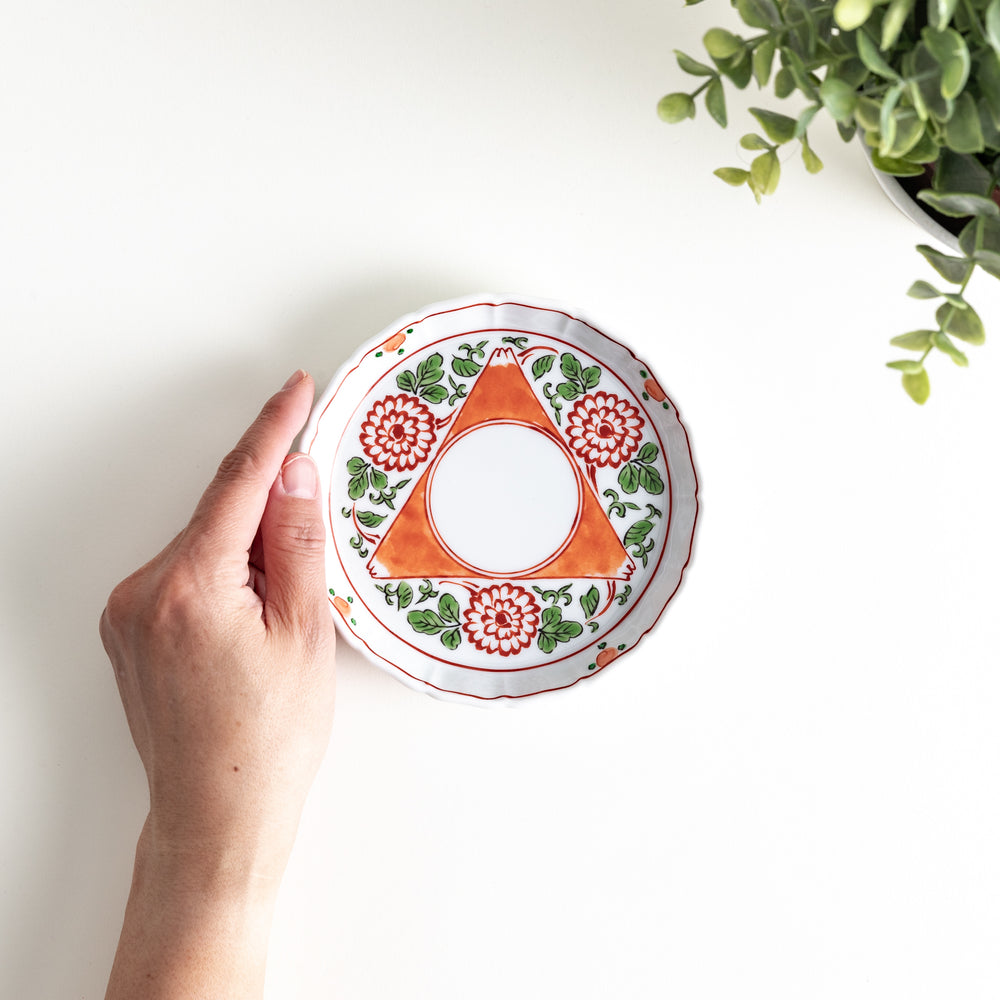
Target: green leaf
{"x":765,"y":171}
{"x":925,"y":85}
{"x":961,"y":172}
{"x":715,"y":102}
{"x":628,"y":478}
{"x":722,"y":44}
{"x":915,"y":340}
{"x":452,"y":639}
{"x":897,"y":168}
{"x":546,"y":642}
{"x":784,"y":83}
{"x":952,"y":54}
{"x":958,"y":206}
{"x":909,"y":131}
{"x":887,"y":120}
{"x":907,"y":367}
{"x":892,"y":24}
{"x":940,"y":12}
{"x":566,"y":631}
{"x":570,"y":367}
{"x":404,"y":595}
{"x":464,"y":367}
{"x":812,"y":162}
{"x":568,"y":390}
{"x":805,"y":120}
{"x":551,"y":617}
{"x":649,"y":480}
{"x":590,"y":377}
{"x":778,"y":128}
{"x":355,"y":466}
{"x":753,"y":141}
{"x":962,"y":132}
{"x":429,"y":370}
{"x":676,"y":107}
{"x":379,"y":479}
{"x":435,"y":393}
{"x":839,"y":99}
{"x":357,"y":485}
{"x":944,"y":344}
{"x":989,"y":261}
{"x":732,"y":175}
{"x":953,"y":269}
{"x":425,"y":622}
{"x":406,"y":381}
{"x":753,"y":14}
{"x":648,"y":453}
{"x":692,"y":66}
{"x":370,"y":519}
{"x":636,"y":534}
{"x":917,"y":386}
{"x":763,"y":60}
{"x":851,"y":14}
{"x":923,"y":290}
{"x":869,"y":54}
{"x":964,"y":324}
{"x":589,"y":602}
{"x":448,"y":608}
{"x":542,"y":365}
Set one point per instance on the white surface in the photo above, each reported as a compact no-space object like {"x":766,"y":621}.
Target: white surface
{"x":789,"y":791}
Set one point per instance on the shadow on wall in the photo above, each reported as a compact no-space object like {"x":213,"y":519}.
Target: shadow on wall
{"x":107,"y":495}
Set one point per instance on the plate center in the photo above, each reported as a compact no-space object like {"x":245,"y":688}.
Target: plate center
{"x":504,"y":498}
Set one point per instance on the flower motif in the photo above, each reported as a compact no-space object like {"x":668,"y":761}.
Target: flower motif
{"x":501,"y":619}
{"x":604,"y":430}
{"x":398,"y":433}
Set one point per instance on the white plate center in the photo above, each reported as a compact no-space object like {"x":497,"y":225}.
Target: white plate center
{"x":504,"y":498}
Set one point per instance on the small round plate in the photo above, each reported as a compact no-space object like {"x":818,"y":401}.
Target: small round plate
{"x":510,"y":496}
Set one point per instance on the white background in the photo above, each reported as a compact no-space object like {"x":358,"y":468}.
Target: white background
{"x":789,"y":790}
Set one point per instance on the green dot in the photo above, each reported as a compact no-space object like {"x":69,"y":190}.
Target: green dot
{"x":400,"y":351}
{"x":645,"y":396}
{"x":332,"y":592}
{"x":353,"y":622}
{"x":350,"y":600}
{"x":620,"y":648}
{"x":666,"y":406}
{"x":643,"y":374}
{"x":378,"y":354}
{"x":601,"y":645}
{"x":410,"y":330}
{"x":592,"y":666}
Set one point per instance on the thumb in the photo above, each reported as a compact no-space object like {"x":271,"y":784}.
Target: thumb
{"x":293,"y":539}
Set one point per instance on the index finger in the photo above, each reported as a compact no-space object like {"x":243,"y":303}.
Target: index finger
{"x":231,"y":507}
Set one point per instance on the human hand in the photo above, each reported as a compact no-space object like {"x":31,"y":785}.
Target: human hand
{"x":223,"y":648}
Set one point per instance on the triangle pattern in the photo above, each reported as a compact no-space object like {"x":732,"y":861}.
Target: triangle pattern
{"x":409,"y":548}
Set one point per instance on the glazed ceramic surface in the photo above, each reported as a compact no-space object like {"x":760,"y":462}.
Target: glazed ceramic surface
{"x":511,"y":499}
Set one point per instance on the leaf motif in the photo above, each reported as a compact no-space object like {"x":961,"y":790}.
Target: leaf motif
{"x":568,"y":390}
{"x":915,"y":340}
{"x":917,"y":386}
{"x":404,"y":595}
{"x":546,"y":643}
{"x":448,"y":608}
{"x":945,"y":345}
{"x":542,"y":365}
{"x":355,"y":466}
{"x":589,"y":602}
{"x":370,"y":519}
{"x":406,"y":381}
{"x":551,"y":617}
{"x":570,"y":367}
{"x":452,"y":639}
{"x":628,"y":478}
{"x":425,"y":622}
{"x":435,"y":393}
{"x":648,"y":453}
{"x":715,"y":101}
{"x":591,"y":376}
{"x":429,"y":370}
{"x":953,"y":269}
{"x":636,"y":535}
{"x":567,"y":631}
{"x":465,"y":367}
{"x":649,"y":480}
{"x":357,"y":485}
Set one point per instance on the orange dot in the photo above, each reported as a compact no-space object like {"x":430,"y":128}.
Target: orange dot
{"x":342,"y":606}
{"x":396,"y":340}
{"x":653,"y":388}
{"x":605,"y":656}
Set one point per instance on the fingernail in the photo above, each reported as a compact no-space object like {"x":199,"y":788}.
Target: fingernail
{"x":295,"y":379}
{"x":298,"y":477}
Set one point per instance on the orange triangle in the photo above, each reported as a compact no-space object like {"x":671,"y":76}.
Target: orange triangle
{"x":409,"y":548}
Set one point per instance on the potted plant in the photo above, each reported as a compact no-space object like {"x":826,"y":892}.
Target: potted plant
{"x":920,"y":82}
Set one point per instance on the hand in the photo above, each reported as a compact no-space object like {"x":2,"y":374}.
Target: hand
{"x":223,"y":647}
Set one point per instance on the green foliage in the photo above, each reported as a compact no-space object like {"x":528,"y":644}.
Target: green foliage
{"x":920,"y":83}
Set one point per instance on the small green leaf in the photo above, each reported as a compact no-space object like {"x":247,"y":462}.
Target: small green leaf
{"x":722,"y":44}
{"x":590,"y":377}
{"x":962,"y":323}
{"x":464,"y":367}
{"x":648,"y":453}
{"x":897,"y":168}
{"x":940,"y":12}
{"x":551,"y":617}
{"x":755,"y":142}
{"x":636,"y":534}
{"x":692,"y":66}
{"x":546,"y":642}
{"x":370,"y":519}
{"x":452,"y":639}
{"x":839,"y":98}
{"x":953,"y":269}
{"x":676,"y":107}
{"x":991,"y":21}
{"x":892,"y":24}
{"x":649,"y":480}
{"x":542,"y":365}
{"x":379,"y":479}
{"x":784,"y":83}
{"x":732,"y":175}
{"x":406,"y":381}
{"x":404,"y":595}
{"x":958,"y":206}
{"x":765,"y":171}
{"x":570,"y":367}
{"x":851,"y":14}
{"x":715,"y":101}
{"x":568,"y":390}
{"x":589,"y":602}
{"x":923,"y":290}
{"x":628,"y":478}
{"x":963,"y":132}
{"x":763,"y":60}
{"x":425,"y":622}
{"x":961,"y":172}
{"x":448,"y":608}
{"x":869,"y":54}
{"x":812,"y":162}
{"x":429,"y":370}
{"x":907,"y":367}
{"x":952,"y":54}
{"x":357,"y":485}
{"x":435,"y":393}
{"x":778,"y":128}
{"x":355,"y":466}
{"x":917,"y":386}
{"x":944,"y":344}
{"x":915,"y":340}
